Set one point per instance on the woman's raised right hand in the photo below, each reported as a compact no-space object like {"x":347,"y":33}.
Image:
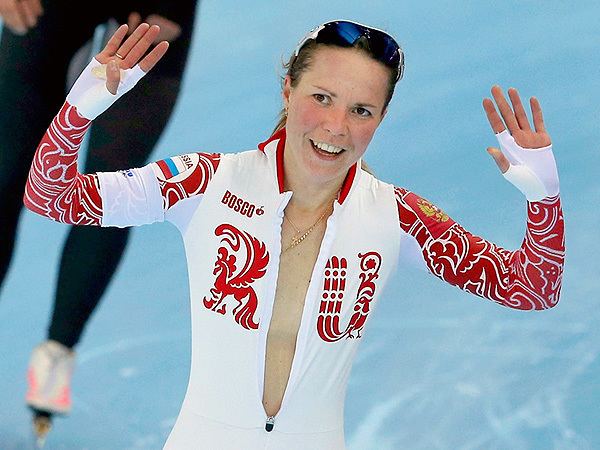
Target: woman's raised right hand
{"x":122,"y":55}
{"x":116,"y":69}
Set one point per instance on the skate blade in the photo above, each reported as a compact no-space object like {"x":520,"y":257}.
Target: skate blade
{"x":41,"y":427}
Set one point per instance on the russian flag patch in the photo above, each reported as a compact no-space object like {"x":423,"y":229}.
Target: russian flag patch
{"x":171,"y":167}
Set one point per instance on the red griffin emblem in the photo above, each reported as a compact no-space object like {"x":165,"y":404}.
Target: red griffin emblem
{"x":328,"y":322}
{"x":236,"y":281}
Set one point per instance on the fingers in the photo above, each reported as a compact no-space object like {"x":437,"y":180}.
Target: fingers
{"x":136,"y":45}
{"x":123,"y":49}
{"x":495,"y":121}
{"x":37,"y":8}
{"x":134,"y":48}
{"x":14,"y":21}
{"x":501,"y":160}
{"x":112,"y":45}
{"x":154,"y":56}
{"x":20,"y":16}
{"x":113,"y":76}
{"x":134,"y":20}
{"x":119,"y":55}
{"x":536,"y":112}
{"x":515,"y":118}
{"x":169,"y":30}
{"x":28,"y":12}
{"x":518,"y":109}
{"x":505,"y":109}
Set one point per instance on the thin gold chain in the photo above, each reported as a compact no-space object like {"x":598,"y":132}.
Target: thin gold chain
{"x":292,"y":224}
{"x":297,"y":240}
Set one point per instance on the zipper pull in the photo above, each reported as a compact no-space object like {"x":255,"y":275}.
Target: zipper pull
{"x":270,"y":423}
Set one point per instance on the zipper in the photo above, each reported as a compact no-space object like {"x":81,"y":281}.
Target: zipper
{"x":266,"y":315}
{"x":270,"y":423}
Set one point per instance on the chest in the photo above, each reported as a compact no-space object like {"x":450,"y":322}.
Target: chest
{"x":296,"y":270}
{"x":239,"y":265}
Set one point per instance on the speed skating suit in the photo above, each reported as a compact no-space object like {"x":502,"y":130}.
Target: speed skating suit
{"x":229,"y":209}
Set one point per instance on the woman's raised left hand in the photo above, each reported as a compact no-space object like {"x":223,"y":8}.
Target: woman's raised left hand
{"x":517,"y":123}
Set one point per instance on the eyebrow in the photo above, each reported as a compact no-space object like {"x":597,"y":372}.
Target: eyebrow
{"x":333,"y":94}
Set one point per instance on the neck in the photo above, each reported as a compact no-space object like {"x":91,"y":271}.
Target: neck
{"x":310,"y":198}
{"x":311,"y":194}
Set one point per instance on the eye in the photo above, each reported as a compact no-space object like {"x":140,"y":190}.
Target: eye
{"x":321,"y":98}
{"x":363,"y":112}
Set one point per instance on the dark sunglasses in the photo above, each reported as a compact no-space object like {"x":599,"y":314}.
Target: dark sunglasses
{"x":345,"y":34}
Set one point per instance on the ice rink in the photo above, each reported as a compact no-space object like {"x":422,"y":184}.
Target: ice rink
{"x":438,"y":369}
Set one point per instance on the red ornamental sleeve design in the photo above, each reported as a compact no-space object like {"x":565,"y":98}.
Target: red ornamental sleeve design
{"x":54,"y":187}
{"x":185,"y":176}
{"x":527,"y":278}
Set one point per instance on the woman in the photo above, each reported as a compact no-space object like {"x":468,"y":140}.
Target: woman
{"x":289,"y":246}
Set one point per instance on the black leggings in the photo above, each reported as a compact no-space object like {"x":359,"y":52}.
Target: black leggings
{"x":33,"y":72}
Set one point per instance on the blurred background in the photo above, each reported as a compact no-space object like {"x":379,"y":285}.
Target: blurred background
{"x":438,"y":368}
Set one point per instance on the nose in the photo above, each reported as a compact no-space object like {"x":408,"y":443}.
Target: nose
{"x":335,"y":122}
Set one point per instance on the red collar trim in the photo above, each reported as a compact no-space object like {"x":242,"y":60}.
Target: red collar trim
{"x":347,"y":183}
{"x":280,"y":148}
{"x":280,"y":135}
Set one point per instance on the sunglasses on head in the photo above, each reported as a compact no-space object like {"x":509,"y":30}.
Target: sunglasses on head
{"x":344,"y":33}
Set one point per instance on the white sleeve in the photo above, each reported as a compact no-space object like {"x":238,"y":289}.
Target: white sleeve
{"x":533,"y":171}
{"x":130,"y":197}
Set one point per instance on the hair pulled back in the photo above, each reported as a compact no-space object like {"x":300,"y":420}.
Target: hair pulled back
{"x":297,"y":65}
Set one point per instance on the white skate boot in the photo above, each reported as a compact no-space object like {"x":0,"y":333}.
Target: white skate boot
{"x":49,"y":385}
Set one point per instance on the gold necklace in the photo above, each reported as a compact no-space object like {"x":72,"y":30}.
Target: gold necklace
{"x":297,"y":240}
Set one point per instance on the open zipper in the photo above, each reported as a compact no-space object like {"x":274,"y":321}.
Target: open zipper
{"x":318,"y":268}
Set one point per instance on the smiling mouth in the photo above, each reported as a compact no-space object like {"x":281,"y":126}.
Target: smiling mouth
{"x":326,"y":149}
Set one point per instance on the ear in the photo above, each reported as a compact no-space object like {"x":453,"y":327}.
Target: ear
{"x":383,"y":115}
{"x":286,"y":91}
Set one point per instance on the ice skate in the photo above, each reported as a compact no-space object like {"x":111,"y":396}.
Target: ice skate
{"x":49,"y":386}
{"x":42,"y":423}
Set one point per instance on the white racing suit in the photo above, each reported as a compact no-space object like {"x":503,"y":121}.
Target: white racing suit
{"x":229,"y":210}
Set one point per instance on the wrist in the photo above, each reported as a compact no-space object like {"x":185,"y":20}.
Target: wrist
{"x":532,"y":171}
{"x":89,"y":93}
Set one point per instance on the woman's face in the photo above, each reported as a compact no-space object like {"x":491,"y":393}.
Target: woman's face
{"x":333,"y":111}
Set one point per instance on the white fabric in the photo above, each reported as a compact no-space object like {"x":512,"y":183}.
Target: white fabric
{"x":89,"y":93}
{"x":533,"y":171}
{"x":228,"y":360}
{"x":220,"y":436}
{"x":130,"y":197}
{"x":181,"y":213}
{"x":223,"y":404}
{"x":411,"y":253}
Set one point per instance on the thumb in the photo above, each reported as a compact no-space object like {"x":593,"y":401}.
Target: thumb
{"x":501,"y":161}
{"x":113,"y":76}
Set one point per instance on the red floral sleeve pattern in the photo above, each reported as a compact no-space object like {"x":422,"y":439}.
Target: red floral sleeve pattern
{"x":527,"y":278}
{"x":54,"y":187}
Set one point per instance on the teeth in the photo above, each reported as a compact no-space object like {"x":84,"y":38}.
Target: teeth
{"x":328,"y":148}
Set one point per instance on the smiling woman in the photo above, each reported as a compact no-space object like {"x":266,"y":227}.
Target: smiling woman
{"x":334,"y":109}
{"x":280,"y":297}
